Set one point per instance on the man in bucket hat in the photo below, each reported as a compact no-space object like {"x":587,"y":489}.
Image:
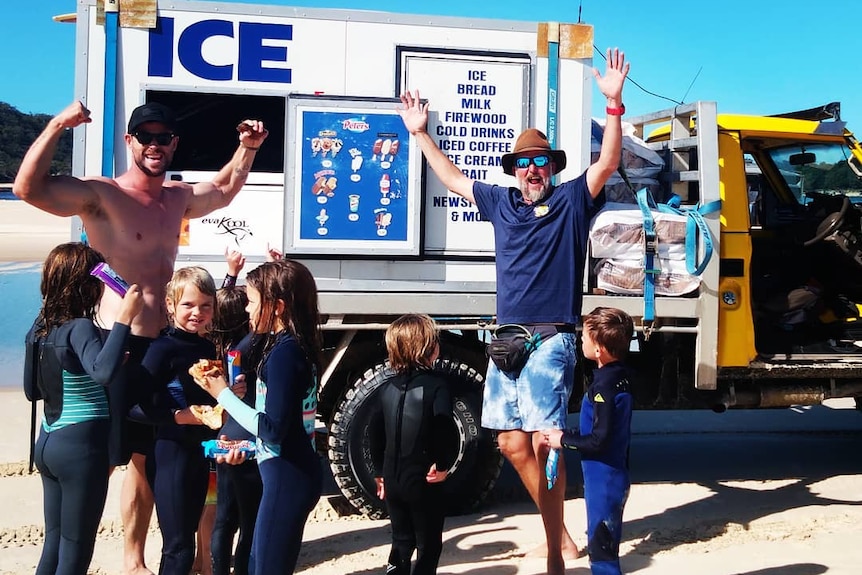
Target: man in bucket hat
{"x":540,"y":235}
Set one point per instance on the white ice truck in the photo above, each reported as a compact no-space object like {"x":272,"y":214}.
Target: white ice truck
{"x":339,"y":184}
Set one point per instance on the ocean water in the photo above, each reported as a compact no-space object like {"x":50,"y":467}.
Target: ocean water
{"x":19,"y":304}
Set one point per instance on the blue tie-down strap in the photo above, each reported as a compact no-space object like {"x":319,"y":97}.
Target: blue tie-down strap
{"x":695,"y":226}
{"x":650,"y":250}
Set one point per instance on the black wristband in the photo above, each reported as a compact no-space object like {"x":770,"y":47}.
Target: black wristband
{"x":229,"y":281}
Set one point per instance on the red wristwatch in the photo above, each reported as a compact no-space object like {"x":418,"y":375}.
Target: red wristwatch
{"x":616,"y":111}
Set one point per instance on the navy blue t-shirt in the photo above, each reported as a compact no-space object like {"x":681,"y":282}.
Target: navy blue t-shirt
{"x":540,"y":250}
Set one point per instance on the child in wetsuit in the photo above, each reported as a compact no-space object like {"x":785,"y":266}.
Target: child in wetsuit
{"x":74,"y":369}
{"x":178,"y":472}
{"x":604,"y":436}
{"x":282,"y":305}
{"x":408,"y":448}
{"x":239,"y":487}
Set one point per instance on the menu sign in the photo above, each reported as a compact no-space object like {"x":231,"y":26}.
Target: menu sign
{"x":354,"y":178}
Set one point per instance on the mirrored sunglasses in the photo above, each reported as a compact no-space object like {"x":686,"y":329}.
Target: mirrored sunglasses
{"x":538,"y":161}
{"x":146,"y":138}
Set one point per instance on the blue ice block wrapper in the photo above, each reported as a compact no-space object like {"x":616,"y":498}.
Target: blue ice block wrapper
{"x":215,"y":447}
{"x":551,"y":467}
{"x":111,"y":278}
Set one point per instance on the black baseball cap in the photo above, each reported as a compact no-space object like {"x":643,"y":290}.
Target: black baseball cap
{"x":152,"y":112}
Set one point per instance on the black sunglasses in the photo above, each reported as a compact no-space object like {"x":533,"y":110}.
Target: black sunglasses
{"x":146,"y":138}
{"x":538,"y":161}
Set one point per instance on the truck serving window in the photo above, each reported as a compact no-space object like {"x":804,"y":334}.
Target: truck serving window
{"x":207,"y":128}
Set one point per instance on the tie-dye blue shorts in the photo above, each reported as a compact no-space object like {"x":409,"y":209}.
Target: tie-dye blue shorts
{"x":537,"y":397}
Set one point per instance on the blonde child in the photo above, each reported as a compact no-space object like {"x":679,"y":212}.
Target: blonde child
{"x":177,"y":471}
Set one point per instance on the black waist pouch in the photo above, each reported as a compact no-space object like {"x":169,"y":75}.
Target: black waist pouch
{"x":511,"y":345}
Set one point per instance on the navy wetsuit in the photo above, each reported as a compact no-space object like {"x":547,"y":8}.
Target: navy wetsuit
{"x":72,"y":450}
{"x":177,"y":471}
{"x":603,"y":442}
{"x":283,"y":422}
{"x":407,"y":437}
{"x":239,"y":489}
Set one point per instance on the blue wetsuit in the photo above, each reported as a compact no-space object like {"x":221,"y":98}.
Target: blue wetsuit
{"x":177,"y":471}
{"x":72,"y":450}
{"x":603,"y":442}
{"x":283,"y":422}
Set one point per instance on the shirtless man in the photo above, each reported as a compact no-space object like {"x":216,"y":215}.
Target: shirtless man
{"x":134,"y":220}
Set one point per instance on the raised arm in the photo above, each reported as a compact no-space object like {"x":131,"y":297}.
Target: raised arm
{"x":210,"y":196}
{"x":611,"y":86}
{"x":415,"y":117}
{"x":58,"y":195}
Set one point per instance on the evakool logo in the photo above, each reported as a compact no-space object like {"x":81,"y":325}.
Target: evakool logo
{"x":226,"y":225}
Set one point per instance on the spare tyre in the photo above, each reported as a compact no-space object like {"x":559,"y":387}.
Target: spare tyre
{"x":477,"y":459}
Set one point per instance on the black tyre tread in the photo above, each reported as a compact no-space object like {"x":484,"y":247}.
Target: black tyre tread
{"x":466,"y":388}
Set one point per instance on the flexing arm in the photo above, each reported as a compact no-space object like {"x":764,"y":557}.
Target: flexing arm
{"x":58,"y":195}
{"x":415,"y":117}
{"x":210,"y":196}
{"x":611,"y":86}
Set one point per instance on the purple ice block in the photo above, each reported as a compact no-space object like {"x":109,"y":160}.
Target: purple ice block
{"x":111,"y":278}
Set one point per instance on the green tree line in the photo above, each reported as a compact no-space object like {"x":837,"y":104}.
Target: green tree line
{"x":17,"y":131}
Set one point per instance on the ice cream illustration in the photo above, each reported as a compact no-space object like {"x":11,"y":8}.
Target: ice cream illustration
{"x":382,"y":219}
{"x":322,"y":218}
{"x":384,"y":189}
{"x":325,"y":145}
{"x":393,"y":149}
{"x":337,"y":144}
{"x":355,"y":163}
{"x":331,"y":184}
{"x":378,"y":145}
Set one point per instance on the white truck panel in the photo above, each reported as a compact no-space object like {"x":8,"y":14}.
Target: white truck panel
{"x":482,"y":77}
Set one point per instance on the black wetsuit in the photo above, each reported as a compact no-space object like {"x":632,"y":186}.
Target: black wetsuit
{"x":408,"y":437}
{"x":177,"y":471}
{"x":124,"y":391}
{"x":72,"y":450}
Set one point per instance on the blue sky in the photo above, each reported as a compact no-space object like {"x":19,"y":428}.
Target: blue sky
{"x":758,"y":57}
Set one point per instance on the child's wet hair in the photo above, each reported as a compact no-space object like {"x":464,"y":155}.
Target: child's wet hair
{"x":68,"y":289}
{"x":291,"y":282}
{"x":230,"y":324}
{"x":411,"y":341}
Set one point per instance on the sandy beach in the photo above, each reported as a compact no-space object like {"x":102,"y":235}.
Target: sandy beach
{"x":28,"y":234}
{"x":752,"y":527}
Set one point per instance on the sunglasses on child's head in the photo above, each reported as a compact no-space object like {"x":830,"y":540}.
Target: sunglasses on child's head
{"x":146,"y":138}
{"x":538,"y":161}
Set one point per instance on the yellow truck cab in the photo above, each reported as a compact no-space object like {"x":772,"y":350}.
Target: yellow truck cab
{"x":775,"y":320}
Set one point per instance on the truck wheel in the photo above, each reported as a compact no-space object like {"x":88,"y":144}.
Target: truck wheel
{"x":477,"y":459}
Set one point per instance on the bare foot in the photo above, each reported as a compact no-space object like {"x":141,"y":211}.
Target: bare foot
{"x":570,"y":551}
